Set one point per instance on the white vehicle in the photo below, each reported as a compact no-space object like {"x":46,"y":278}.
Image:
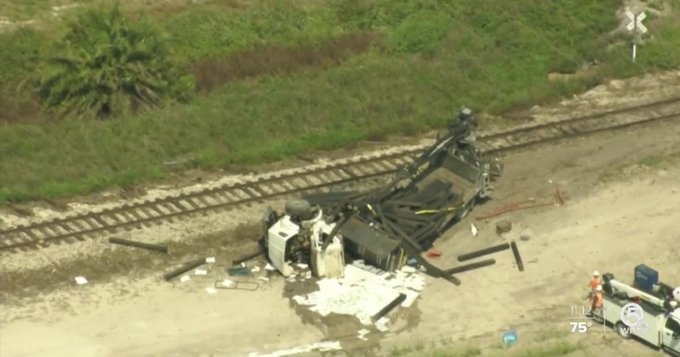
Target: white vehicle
{"x":645,"y":315}
{"x":302,"y":236}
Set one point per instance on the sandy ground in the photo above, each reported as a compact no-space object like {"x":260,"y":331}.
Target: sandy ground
{"x":621,"y":192}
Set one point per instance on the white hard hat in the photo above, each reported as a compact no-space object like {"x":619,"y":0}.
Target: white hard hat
{"x":598,"y":288}
{"x":596,"y":273}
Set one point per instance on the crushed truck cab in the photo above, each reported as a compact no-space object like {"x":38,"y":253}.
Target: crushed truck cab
{"x":387,"y":225}
{"x":302,"y":236}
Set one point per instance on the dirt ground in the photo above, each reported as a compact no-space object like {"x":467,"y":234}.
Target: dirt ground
{"x":621,"y":196}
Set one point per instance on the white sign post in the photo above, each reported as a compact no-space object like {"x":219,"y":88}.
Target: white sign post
{"x":635,"y":25}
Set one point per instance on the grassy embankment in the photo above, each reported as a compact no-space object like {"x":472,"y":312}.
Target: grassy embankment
{"x":274,"y":80}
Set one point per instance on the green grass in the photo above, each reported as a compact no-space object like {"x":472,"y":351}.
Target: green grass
{"x":429,"y":57}
{"x":538,"y":348}
{"x":651,"y":161}
{"x":560,"y":348}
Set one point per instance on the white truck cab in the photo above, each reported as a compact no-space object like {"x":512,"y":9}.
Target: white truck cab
{"x":302,"y":235}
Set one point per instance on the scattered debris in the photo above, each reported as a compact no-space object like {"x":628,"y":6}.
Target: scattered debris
{"x":473,"y":229}
{"x":503,"y":226}
{"x":318,"y":346}
{"x":361,"y":334}
{"x":408,"y":269}
{"x":433,"y":253}
{"x":264,"y":278}
{"x":302,"y":266}
{"x":481,"y":252}
{"x":237,"y":285}
{"x":362,"y":293}
{"x":185,"y":278}
{"x":163,"y":248}
{"x":518,"y":258}
{"x":524,"y":238}
{"x":184,"y":268}
{"x":80,"y":280}
{"x":269,"y":267}
{"x":201,"y":272}
{"x":255,"y":269}
{"x":239,"y":270}
{"x":381,"y":324}
{"x":211,"y":290}
{"x":210,"y":260}
{"x":226,"y":283}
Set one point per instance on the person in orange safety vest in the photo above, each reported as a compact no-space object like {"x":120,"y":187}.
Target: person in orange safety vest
{"x":598,"y":302}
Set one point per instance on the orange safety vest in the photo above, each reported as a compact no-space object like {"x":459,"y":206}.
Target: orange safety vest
{"x":594,"y":282}
{"x":598,"y":301}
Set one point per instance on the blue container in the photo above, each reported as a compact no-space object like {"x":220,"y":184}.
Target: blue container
{"x":510,"y":338}
{"x":645,"y":277}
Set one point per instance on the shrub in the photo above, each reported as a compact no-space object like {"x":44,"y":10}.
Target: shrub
{"x":110,"y":65}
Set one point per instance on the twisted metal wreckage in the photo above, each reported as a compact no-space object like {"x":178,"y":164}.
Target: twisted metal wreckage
{"x":391,"y":224}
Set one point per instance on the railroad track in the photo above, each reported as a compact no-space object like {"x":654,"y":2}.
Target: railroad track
{"x":144,"y":213}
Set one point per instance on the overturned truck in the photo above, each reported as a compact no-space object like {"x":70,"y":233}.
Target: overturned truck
{"x":388,"y":225}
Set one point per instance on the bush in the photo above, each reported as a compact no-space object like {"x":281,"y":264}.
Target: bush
{"x":110,"y":65}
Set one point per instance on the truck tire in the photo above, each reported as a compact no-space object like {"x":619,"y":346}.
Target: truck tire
{"x":301,"y":209}
{"x":622,"y":330}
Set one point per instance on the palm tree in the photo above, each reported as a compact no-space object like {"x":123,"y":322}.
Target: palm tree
{"x":110,"y":66}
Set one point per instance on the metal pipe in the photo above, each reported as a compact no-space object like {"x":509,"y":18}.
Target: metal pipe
{"x":163,"y":248}
{"x":389,"y":307}
{"x":184,"y":268}
{"x":518,"y":258}
{"x":481,"y":252}
{"x":247,"y":257}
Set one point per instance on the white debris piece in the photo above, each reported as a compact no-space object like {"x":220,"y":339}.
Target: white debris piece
{"x":201,"y":272}
{"x":408,"y":269}
{"x":382,"y":323}
{"x":361,"y":293}
{"x":255,"y":269}
{"x":211,"y":290}
{"x":362,"y":334}
{"x":302,"y":265}
{"x":80,"y":280}
{"x":226,"y":283}
{"x":473,"y":229}
{"x":210,"y":259}
{"x":308,"y":275}
{"x":185,"y":278}
{"x":317,"y":346}
{"x":264,"y":278}
{"x":269,"y":267}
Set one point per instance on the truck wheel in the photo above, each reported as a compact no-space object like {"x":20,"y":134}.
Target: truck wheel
{"x":622,"y":330}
